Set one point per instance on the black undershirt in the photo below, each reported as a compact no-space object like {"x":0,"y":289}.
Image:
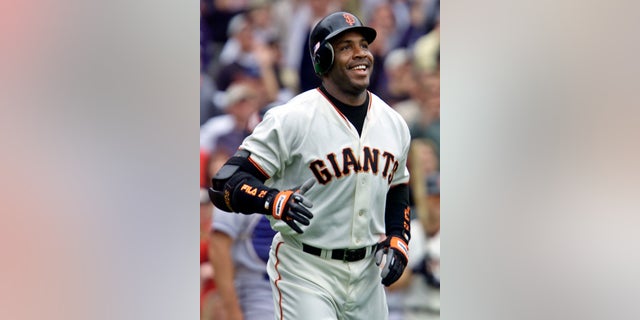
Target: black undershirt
{"x":355,"y":114}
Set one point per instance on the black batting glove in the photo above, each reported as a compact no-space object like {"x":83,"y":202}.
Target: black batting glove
{"x":397,"y":253}
{"x":291,"y":206}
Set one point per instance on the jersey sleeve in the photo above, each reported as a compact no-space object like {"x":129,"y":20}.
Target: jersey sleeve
{"x":402,"y":174}
{"x":269,"y":144}
{"x":231,"y":224}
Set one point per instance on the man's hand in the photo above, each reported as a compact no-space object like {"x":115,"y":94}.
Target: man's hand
{"x":291,"y":206}
{"x":397,"y":252}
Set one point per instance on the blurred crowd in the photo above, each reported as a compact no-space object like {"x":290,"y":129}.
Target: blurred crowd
{"x":254,"y":55}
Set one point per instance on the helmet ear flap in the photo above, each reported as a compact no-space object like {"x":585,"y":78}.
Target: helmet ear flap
{"x":323,"y":58}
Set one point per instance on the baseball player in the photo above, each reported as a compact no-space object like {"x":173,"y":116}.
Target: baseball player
{"x":239,"y":250}
{"x":328,"y":168}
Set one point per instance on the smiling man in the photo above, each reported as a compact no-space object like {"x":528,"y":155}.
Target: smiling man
{"x":346,"y":150}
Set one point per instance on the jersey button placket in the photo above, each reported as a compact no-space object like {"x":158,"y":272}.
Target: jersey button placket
{"x":359,"y":222}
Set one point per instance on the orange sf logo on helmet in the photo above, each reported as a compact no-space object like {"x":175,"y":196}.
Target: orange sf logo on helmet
{"x":349,"y":19}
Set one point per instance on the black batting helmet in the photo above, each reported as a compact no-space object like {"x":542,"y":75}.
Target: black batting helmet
{"x":328,"y":28}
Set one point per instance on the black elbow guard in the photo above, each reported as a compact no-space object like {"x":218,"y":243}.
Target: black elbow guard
{"x":242,"y":193}
{"x":220,"y":197}
{"x":237,"y":191}
{"x":218,"y":200}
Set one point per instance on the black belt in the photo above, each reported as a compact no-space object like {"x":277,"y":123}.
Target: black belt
{"x":350,"y":255}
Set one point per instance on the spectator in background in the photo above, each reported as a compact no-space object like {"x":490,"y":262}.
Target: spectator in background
{"x":423,"y":18}
{"x":428,"y":125}
{"x":267,"y":50}
{"x":416,"y":295}
{"x":210,"y":301}
{"x":399,"y":9}
{"x":396,"y":81}
{"x":269,"y":57}
{"x":282,"y":13}
{"x":239,"y":250}
{"x":215,"y":16}
{"x":246,"y":57}
{"x":383,"y":20}
{"x":425,"y":158}
{"x":422,"y":110}
{"x":426,"y":51}
{"x":238,"y":50}
{"x":298,"y":65}
{"x":208,"y":107}
{"x":241,"y":106}
{"x":260,"y":15}
{"x":423,"y":281}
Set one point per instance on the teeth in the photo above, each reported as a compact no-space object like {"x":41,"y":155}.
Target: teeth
{"x":360,"y":67}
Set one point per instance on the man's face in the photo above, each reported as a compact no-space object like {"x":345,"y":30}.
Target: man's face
{"x":353,"y":62}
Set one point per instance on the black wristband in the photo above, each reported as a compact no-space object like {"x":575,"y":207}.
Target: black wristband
{"x":248,"y":194}
{"x":397,"y":212}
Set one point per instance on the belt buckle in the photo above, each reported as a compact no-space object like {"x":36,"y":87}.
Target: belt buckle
{"x":351,"y":255}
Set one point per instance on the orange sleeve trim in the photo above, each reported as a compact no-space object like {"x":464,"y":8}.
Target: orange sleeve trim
{"x":255,"y":164}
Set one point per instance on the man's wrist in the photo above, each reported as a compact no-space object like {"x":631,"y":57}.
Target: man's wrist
{"x":402,"y":234}
{"x":269,"y":198}
{"x":248,"y":195}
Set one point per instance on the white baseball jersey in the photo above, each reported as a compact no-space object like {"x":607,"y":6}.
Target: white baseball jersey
{"x":308,"y":137}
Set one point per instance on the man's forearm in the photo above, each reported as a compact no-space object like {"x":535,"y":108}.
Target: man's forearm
{"x":222,"y":262}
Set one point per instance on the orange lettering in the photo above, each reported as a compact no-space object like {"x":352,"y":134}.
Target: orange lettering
{"x":248,"y":190}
